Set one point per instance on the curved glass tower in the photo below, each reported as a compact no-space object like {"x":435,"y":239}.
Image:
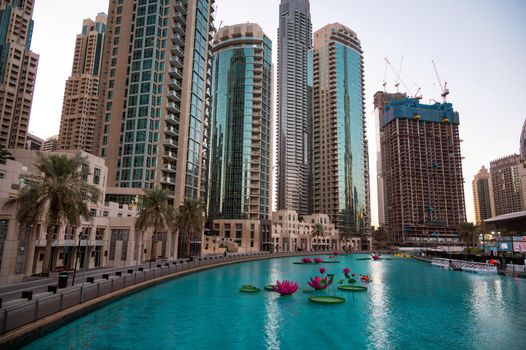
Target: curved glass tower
{"x":239,"y":185}
{"x":339,"y":141}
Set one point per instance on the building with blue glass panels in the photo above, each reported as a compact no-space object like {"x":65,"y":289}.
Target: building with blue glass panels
{"x":339,"y":142}
{"x":155,"y":113}
{"x":18,"y":70}
{"x":422,"y":172}
{"x":240,"y":133}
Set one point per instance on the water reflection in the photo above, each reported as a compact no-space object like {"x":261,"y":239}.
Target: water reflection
{"x":273,"y":316}
{"x":379,"y":308}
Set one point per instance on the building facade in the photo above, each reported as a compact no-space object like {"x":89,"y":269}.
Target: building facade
{"x":51,"y":144}
{"x":523,"y":141}
{"x":241,"y":129}
{"x":155,"y":114}
{"x":294,"y":42}
{"x":81,"y":95}
{"x":313,"y":232}
{"x":339,"y":141}
{"x":422,"y":172}
{"x":381,"y":98}
{"x":33,"y":142}
{"x":482,"y":195}
{"x":18,"y":71}
{"x":109,"y":239}
{"x":508,"y":184}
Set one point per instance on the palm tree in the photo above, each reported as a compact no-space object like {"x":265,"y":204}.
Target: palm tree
{"x":5,"y":154}
{"x":380,"y":236}
{"x":189,"y":221}
{"x":467,"y":233}
{"x":317,"y":231}
{"x":58,"y":195}
{"x":155,"y":213}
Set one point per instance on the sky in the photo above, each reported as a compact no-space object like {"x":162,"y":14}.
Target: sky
{"x":478,"y":47}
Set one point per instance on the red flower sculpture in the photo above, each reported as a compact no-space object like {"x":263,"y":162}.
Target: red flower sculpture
{"x":318,"y":260}
{"x":346,"y":270}
{"x":286,"y":287}
{"x":307,"y":260}
{"x":322,"y":270}
{"x":319,"y":283}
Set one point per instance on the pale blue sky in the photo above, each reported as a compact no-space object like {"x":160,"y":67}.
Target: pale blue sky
{"x":478,"y":45}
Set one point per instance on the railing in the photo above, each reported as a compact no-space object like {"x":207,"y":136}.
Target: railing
{"x":15,"y":316}
{"x":464,"y":265}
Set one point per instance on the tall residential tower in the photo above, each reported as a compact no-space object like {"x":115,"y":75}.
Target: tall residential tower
{"x":241,"y":129}
{"x":508,"y":184}
{"x":18,"y":71}
{"x":155,"y":77}
{"x":294,"y":42}
{"x":81,"y":96}
{"x":422,"y":171}
{"x":339,"y":140}
{"x":482,"y":196}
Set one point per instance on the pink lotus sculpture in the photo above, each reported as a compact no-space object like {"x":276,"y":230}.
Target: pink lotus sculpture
{"x":285,"y":287}
{"x":307,"y":260}
{"x":319,"y":283}
{"x":322,"y":270}
{"x":318,"y":260}
{"x":346,"y":270}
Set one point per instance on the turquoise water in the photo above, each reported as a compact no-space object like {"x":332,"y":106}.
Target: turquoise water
{"x":409,"y":305}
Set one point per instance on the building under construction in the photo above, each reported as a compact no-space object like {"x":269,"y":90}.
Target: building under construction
{"x":422,"y":172}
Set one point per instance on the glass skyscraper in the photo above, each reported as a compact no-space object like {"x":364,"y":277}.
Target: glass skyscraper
{"x":339,"y":142}
{"x":294,"y":42}
{"x":240,"y":152}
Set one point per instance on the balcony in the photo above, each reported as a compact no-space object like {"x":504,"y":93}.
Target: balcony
{"x":169,"y":168}
{"x":167,"y":180}
{"x":170,"y":143}
{"x":179,"y":29}
{"x":174,"y":96}
{"x":178,"y":51}
{"x":171,"y":119}
{"x":174,"y":84}
{"x":178,"y":39}
{"x":169,"y":155}
{"x":176,"y":73}
{"x":176,"y":61}
{"x":171,"y":131}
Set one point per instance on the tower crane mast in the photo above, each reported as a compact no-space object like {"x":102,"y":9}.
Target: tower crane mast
{"x":443,"y":87}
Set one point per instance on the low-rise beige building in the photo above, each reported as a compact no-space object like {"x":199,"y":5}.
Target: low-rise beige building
{"x":290,"y":234}
{"x":109,"y":239}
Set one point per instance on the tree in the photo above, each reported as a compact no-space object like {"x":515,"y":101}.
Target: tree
{"x":345,"y":234}
{"x":5,"y":154}
{"x":58,"y":195}
{"x":468,"y":234}
{"x":317,"y":231}
{"x":189,"y":221}
{"x":380,"y":237}
{"x":155,"y":213}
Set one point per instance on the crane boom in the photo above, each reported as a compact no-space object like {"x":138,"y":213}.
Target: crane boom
{"x":397,"y":75}
{"x":443,"y":87}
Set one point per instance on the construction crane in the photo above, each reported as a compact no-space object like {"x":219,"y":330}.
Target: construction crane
{"x":397,"y":75}
{"x":443,"y":87}
{"x":385,"y":76}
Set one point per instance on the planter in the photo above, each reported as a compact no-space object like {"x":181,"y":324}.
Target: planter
{"x":327,"y":299}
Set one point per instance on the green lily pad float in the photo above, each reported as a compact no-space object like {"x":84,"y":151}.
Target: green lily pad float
{"x":249,"y":290}
{"x":248,"y":286}
{"x":363,"y":259}
{"x":330,"y":262}
{"x":270,"y":287}
{"x":353,"y":288}
{"x":308,"y":290}
{"x":301,"y":263}
{"x":327,"y":299}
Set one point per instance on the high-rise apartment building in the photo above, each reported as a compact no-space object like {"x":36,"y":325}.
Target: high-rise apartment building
{"x":294,"y":42}
{"x":33,"y":142}
{"x":339,"y":140}
{"x":508,"y":184}
{"x":81,"y":96}
{"x":381,"y":98}
{"x":482,"y":195}
{"x":51,"y":144}
{"x":241,"y":134}
{"x":422,"y":172}
{"x":18,"y":71}
{"x":155,"y":78}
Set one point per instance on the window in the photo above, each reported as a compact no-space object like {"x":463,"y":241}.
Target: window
{"x":96,"y":176}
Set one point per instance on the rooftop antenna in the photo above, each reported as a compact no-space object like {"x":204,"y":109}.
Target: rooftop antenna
{"x":443,"y":87}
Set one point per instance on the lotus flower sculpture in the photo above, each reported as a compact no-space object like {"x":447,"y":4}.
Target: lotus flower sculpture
{"x":286,"y":287}
{"x":322,"y":270}
{"x":318,"y":260}
{"x":346,"y":271}
{"x":319,"y":283}
{"x":307,"y":260}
